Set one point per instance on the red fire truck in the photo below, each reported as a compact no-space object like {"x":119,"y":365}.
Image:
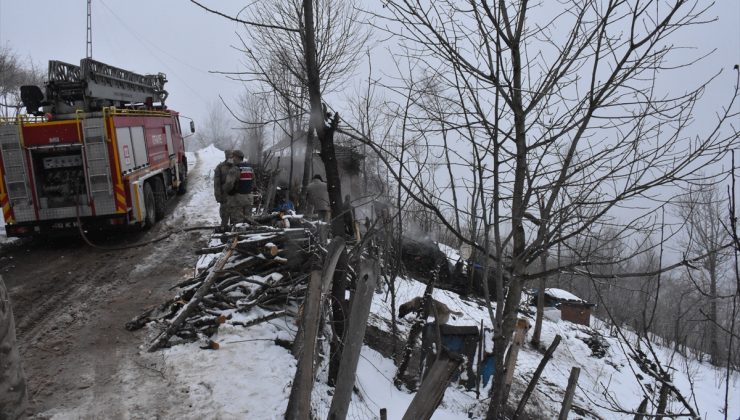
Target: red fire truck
{"x":98,"y":148}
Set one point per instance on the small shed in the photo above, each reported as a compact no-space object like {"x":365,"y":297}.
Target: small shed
{"x":572,"y":308}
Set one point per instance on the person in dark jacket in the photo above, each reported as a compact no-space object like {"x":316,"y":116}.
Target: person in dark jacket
{"x":317,"y":198}
{"x":283,"y":202}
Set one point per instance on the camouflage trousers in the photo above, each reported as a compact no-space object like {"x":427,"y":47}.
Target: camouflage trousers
{"x":236,"y":209}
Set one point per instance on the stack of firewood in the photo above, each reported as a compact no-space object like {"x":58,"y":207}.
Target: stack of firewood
{"x":257,"y":266}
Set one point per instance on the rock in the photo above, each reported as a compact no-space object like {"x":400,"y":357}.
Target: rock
{"x":66,"y":318}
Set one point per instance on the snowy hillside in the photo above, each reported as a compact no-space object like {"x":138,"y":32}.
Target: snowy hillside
{"x":250,"y":377}
{"x":249,"y":368}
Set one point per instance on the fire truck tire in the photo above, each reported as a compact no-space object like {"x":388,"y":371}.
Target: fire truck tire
{"x":183,"y":188}
{"x":149,"y":207}
{"x":160,"y":198}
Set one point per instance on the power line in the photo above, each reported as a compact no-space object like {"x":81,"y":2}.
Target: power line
{"x":146,"y":44}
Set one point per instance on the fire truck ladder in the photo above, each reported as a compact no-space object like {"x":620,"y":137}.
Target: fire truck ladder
{"x":15,"y":172}
{"x":99,"y":84}
{"x":98,"y":166}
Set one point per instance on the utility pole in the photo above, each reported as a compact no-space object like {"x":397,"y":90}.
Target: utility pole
{"x":88,"y":47}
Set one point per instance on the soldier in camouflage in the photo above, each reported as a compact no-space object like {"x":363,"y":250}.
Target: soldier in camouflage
{"x":238,"y":206}
{"x":219,"y":187}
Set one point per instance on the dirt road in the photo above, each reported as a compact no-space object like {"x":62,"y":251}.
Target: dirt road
{"x":71,"y":302}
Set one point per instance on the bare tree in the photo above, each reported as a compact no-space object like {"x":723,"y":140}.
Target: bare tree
{"x":566,"y":106}
{"x":278,"y":59}
{"x":15,"y":72}
{"x":704,"y":212}
{"x":217,"y":128}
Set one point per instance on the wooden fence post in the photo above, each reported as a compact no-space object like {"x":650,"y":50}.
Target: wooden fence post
{"x":569,"y":393}
{"x":433,"y":387}
{"x":359,"y":311}
{"x":304,"y":348}
{"x":536,"y":376}
{"x":299,"y":403}
{"x":522,"y":325}
{"x":326,"y":275}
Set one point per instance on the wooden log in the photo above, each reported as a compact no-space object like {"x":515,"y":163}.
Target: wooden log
{"x":359,"y":312}
{"x":569,"y":393}
{"x":210,"y":250}
{"x":257,"y":321}
{"x":199,"y":294}
{"x":433,"y":388}
{"x":536,"y":376}
{"x":193,"y":280}
{"x":149,"y":315}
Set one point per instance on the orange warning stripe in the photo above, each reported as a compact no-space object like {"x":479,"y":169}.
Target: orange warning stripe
{"x":118,"y":187}
{"x":120,"y":199}
{"x":7,"y":212}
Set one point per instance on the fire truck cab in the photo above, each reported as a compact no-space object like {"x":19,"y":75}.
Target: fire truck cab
{"x":103,"y":150}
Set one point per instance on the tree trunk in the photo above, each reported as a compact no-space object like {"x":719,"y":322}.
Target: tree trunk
{"x":325,"y":133}
{"x":662,"y":401}
{"x":513,"y":297}
{"x":291,"y":128}
{"x":540,"y":303}
{"x":713,"y":342}
{"x":307,"y":163}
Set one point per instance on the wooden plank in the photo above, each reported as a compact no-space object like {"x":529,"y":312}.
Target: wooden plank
{"x":299,"y":403}
{"x":433,"y":388}
{"x":359,"y":312}
{"x":569,"y":393}
{"x":326,"y":275}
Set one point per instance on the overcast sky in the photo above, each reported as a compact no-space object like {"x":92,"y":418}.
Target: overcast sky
{"x":185,"y":42}
{"x":173,"y":37}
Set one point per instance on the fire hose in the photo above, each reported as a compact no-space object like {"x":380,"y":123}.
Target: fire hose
{"x":136,"y":245}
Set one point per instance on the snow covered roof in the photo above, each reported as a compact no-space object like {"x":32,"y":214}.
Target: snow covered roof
{"x":561,"y":294}
{"x":452,"y":254}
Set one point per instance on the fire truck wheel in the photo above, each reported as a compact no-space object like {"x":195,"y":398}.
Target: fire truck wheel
{"x":160,"y":198}
{"x":149,"y":203}
{"x":183,"y":188}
